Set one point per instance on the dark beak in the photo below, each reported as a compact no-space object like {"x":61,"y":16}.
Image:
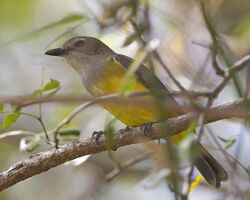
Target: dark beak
{"x":56,"y":52}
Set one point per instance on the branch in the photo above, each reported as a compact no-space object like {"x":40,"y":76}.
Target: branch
{"x":44,"y":161}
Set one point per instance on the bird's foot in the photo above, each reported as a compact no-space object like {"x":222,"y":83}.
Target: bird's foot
{"x":97,"y":135}
{"x":127,"y":128}
{"x":147,"y":128}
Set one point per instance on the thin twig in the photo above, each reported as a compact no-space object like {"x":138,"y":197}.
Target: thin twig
{"x":67,"y":120}
{"x":158,"y":57}
{"x":115,"y":172}
{"x":26,"y":101}
{"x":165,"y":67}
{"x":238,"y":66}
{"x":226,"y":155}
{"x":215,"y":47}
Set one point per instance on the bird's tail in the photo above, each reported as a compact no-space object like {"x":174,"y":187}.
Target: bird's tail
{"x":210,"y":169}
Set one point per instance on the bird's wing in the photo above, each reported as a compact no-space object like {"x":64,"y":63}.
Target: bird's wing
{"x":144,"y":76}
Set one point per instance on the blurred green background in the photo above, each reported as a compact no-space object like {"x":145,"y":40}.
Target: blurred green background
{"x":30,"y":27}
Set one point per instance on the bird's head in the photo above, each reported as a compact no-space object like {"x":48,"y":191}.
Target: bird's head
{"x":81,"y":49}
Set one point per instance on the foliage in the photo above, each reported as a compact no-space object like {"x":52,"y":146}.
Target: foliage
{"x":142,"y":22}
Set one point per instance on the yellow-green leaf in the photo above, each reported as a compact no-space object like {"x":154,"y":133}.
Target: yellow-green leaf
{"x":1,"y":108}
{"x":228,"y":142}
{"x":36,"y":92}
{"x":109,"y":134}
{"x":70,"y":132}
{"x":129,"y":79}
{"x":53,"y":93}
{"x":10,"y":119}
{"x":53,"y":84}
{"x":15,"y":108}
{"x":69,"y":135}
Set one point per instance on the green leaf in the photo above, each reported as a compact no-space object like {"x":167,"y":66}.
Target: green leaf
{"x":129,"y":79}
{"x":53,"y":84}
{"x":241,"y":29}
{"x":15,"y":108}
{"x":10,"y":119}
{"x":109,"y":134}
{"x":69,"y":135}
{"x":53,"y":93}
{"x":70,"y":132}
{"x":128,"y":84}
{"x":1,"y":108}
{"x":36,"y":92}
{"x":228,"y":142}
{"x":66,"y":20}
{"x":223,"y":139}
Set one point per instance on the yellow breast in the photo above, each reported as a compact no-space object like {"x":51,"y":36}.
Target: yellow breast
{"x":111,"y":82}
{"x":131,"y":114}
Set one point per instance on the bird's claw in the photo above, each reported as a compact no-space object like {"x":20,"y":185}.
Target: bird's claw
{"x":97,"y":135}
{"x":147,"y":128}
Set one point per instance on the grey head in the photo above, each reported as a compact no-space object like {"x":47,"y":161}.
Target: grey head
{"x":83,"y":52}
{"x":84,"y":45}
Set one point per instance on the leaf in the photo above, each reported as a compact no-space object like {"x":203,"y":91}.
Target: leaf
{"x":15,"y":108}
{"x":53,"y":93}
{"x":66,"y":20}
{"x":228,"y":142}
{"x":242,"y":29}
{"x":129,"y":79}
{"x":53,"y":84}
{"x":128,"y":84}
{"x":70,"y":132}
{"x":36,"y":92}
{"x":1,"y":108}
{"x":223,"y":139}
{"x":10,"y":119}
{"x":68,"y":135}
{"x":109,"y":134}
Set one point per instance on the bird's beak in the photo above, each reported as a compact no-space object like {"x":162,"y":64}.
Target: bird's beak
{"x":56,"y":52}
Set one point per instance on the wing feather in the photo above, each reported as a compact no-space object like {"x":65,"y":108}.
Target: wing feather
{"x":144,"y":76}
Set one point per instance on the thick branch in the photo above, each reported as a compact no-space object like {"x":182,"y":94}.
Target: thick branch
{"x":44,"y":161}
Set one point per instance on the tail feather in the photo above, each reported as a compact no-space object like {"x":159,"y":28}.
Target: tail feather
{"x":211,"y":170}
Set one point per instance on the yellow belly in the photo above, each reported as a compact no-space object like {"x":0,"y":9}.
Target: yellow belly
{"x":131,"y":114}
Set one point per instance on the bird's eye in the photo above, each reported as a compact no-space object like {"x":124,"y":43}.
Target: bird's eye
{"x":80,"y":43}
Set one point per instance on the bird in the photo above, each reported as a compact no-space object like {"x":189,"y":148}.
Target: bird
{"x":102,"y":72}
